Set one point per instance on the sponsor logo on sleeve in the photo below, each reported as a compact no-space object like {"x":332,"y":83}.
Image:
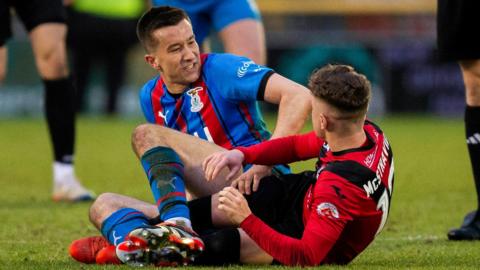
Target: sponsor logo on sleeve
{"x":242,"y":71}
{"x":326,"y":209}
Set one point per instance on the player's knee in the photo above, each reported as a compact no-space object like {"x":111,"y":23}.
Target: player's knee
{"x":52,"y":63}
{"x":101,"y":206}
{"x":3,"y":64}
{"x":144,"y":135}
{"x":2,"y":75}
{"x":140,"y":135}
{"x":472,"y":86}
{"x":473,"y":97}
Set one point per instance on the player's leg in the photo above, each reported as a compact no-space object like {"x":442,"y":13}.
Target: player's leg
{"x":115,"y":216}
{"x":116,"y":70}
{"x":45,"y":22}
{"x":470,"y":229}
{"x":3,"y":62}
{"x":455,"y":44}
{"x":48,"y":43}
{"x":5,"y":33}
{"x":191,"y":150}
{"x":240,"y":29}
{"x":82,"y":61}
{"x":127,"y":223}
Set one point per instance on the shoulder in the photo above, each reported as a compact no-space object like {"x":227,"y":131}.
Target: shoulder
{"x":148,"y":87}
{"x":224,"y":61}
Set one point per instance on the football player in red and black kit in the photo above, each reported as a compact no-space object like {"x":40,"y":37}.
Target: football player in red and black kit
{"x":330,"y":216}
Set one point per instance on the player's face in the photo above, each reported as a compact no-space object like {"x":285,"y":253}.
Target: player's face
{"x":319,"y":119}
{"x":177,"y":55}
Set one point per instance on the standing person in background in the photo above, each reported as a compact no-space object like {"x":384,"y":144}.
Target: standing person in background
{"x":45,"y":23}
{"x":456,"y":42}
{"x":237,"y":22}
{"x":102,"y":30}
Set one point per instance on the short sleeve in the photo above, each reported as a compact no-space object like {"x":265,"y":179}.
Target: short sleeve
{"x":236,"y":78}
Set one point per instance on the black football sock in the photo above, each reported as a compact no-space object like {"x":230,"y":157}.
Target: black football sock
{"x":222,"y":247}
{"x":60,"y":114}
{"x":201,"y":214}
{"x":472,"y":127}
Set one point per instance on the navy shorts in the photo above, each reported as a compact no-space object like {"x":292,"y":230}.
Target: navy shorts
{"x":216,"y":14}
{"x":31,"y":13}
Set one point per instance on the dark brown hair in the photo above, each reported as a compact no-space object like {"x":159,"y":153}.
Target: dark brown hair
{"x":155,"y":18}
{"x":342,"y":87}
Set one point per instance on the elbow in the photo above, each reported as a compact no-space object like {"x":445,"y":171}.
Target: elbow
{"x":302,"y":99}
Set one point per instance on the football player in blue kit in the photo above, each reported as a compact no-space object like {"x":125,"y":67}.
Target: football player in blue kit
{"x":237,"y":22}
{"x":210,"y":96}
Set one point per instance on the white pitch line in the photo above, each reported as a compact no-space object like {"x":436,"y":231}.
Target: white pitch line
{"x":413,"y":238}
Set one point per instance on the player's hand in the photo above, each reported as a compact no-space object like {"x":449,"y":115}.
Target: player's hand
{"x":253,"y":175}
{"x":213,"y":164}
{"x":235,"y":206}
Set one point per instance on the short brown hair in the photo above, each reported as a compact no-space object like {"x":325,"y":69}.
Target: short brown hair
{"x":342,"y":87}
{"x":155,"y":18}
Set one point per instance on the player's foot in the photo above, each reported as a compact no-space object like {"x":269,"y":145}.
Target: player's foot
{"x":71,"y":191}
{"x":161,"y":245}
{"x":107,"y":255}
{"x":470,"y":229}
{"x":86,"y":249}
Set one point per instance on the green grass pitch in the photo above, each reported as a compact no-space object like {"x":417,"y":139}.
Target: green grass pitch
{"x":433,"y":190}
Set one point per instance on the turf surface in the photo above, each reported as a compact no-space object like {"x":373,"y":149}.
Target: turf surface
{"x":433,"y":190}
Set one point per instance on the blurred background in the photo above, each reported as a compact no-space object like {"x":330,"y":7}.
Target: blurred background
{"x":392,"y":42}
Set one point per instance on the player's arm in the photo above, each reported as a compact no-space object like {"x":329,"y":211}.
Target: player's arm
{"x":319,"y":236}
{"x":276,"y":151}
{"x":283,"y":150}
{"x":242,"y":80}
{"x":294,"y":102}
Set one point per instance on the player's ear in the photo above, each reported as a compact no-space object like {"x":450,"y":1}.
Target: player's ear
{"x":150,"y":59}
{"x":323,"y":121}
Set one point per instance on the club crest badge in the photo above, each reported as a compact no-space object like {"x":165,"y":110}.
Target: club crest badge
{"x":327,"y":209}
{"x":195,"y":101}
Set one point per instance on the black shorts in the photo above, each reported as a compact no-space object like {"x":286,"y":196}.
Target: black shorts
{"x":279,"y":202}
{"x":31,"y":12}
{"x":457,"y":22}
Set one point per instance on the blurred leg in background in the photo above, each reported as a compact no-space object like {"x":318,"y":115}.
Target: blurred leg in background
{"x":237,"y":22}
{"x":101,"y":33}
{"x":456,"y":42}
{"x":45,"y":23}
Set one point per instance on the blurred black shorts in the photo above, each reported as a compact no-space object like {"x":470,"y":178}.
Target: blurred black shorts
{"x":31,"y":13}
{"x":458,"y":23}
{"x":279,"y":202}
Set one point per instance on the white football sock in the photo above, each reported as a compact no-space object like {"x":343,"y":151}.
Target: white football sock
{"x":63,"y":173}
{"x":180,"y":221}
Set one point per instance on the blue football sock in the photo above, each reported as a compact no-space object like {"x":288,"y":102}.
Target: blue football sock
{"x":121,"y":222}
{"x":164,"y":170}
